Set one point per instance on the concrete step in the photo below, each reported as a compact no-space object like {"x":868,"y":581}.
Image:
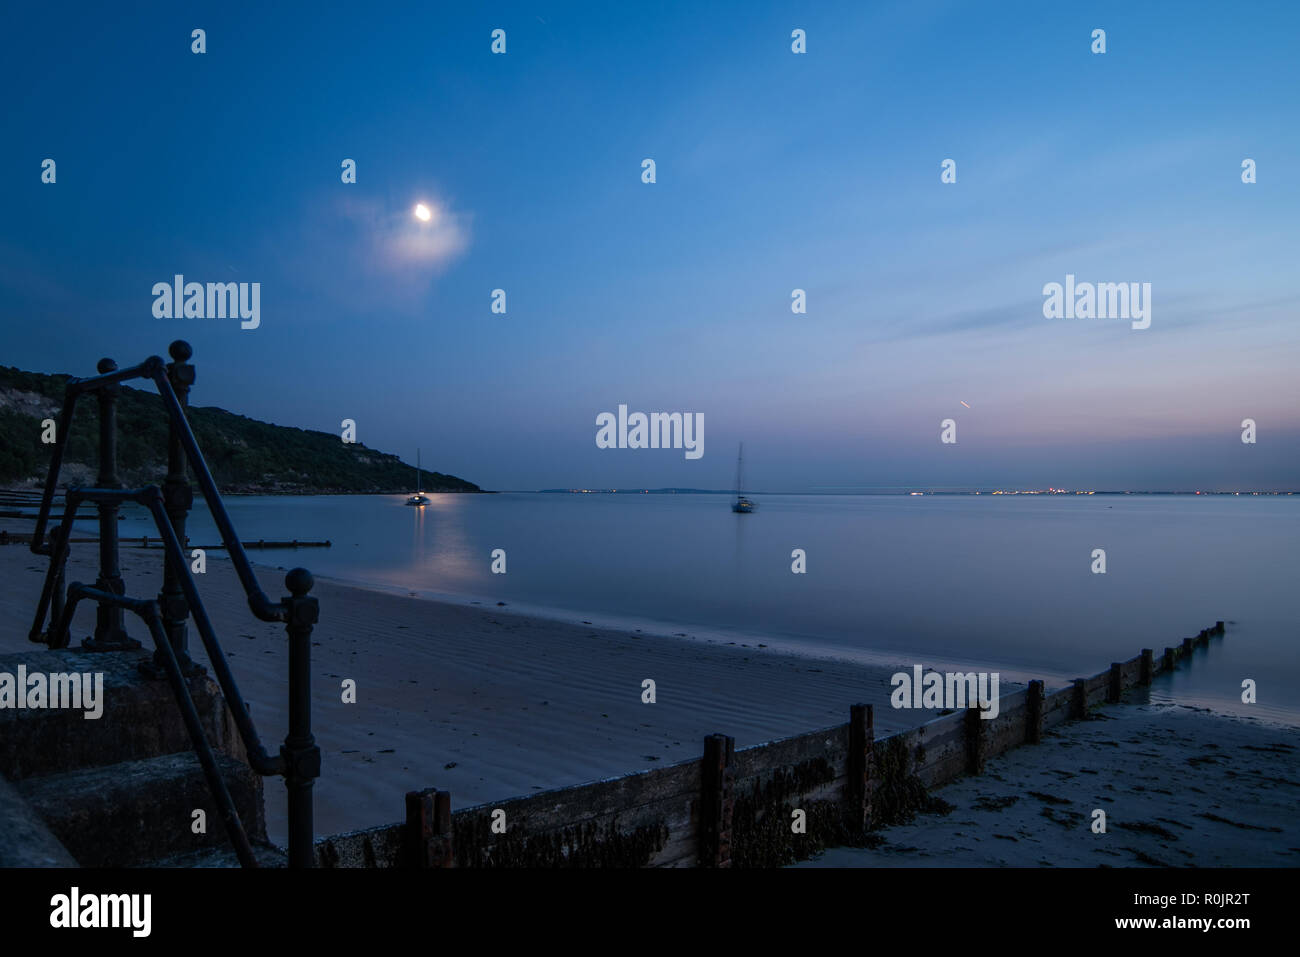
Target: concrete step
{"x":136,"y":812}
{"x":25,"y":841}
{"x":267,"y":855}
{"x":140,"y":718}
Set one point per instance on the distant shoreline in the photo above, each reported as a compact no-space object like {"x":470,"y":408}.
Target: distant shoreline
{"x":302,"y":492}
{"x":900,"y":490}
{"x":37,"y":486}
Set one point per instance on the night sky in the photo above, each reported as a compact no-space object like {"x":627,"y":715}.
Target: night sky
{"x":775,"y":171}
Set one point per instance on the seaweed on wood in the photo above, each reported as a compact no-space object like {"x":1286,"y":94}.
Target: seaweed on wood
{"x":582,"y":845}
{"x":761,"y":834}
{"x":898,"y":794}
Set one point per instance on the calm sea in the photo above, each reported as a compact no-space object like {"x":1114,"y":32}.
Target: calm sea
{"x":999,"y":581}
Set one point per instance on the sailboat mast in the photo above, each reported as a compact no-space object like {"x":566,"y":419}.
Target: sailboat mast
{"x":740,"y":469}
{"x":418,"y":482}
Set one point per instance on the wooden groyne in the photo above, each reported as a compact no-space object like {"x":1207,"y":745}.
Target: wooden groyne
{"x":54,"y":517}
{"x":735,"y":808}
{"x":144,"y":541}
{"x":22,"y":498}
{"x":23,"y":538}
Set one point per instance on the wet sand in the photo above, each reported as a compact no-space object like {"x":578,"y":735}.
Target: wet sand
{"x":490,"y":704}
{"x":475,"y":700}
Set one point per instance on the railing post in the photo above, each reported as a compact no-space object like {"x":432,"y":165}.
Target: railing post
{"x":110,"y":632}
{"x":60,"y":583}
{"x":178,"y":499}
{"x":299,"y":752}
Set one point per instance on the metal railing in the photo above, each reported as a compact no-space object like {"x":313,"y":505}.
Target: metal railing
{"x":166,"y":616}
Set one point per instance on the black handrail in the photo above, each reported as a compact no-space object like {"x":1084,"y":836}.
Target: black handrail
{"x":299,"y":758}
{"x":154,"y":368}
{"x":148,"y":612}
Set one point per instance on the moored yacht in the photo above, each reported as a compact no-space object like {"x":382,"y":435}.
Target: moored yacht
{"x":419,"y":498}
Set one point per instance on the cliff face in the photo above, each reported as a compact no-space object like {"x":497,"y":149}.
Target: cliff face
{"x":245,"y":455}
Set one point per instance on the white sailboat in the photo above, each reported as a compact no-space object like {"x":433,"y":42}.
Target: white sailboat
{"x":741,"y":505}
{"x":419,"y":498}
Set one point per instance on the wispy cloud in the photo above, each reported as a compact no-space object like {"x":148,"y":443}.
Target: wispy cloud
{"x":397,"y":241}
{"x":349,"y":255}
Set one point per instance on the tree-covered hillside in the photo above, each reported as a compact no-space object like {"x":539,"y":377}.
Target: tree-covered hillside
{"x":245,"y":455}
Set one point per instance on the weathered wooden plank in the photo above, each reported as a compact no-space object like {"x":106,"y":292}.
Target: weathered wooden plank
{"x":1096,"y":688}
{"x":1007,"y":730}
{"x":630,"y":839}
{"x":939,"y":772}
{"x":1056,"y":706}
{"x":565,"y":806}
{"x":829,"y":743}
{"x":372,"y":847}
{"x":939,"y":749}
{"x":576,"y":810}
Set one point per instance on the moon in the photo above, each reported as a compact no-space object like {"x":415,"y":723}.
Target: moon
{"x":422,"y":213}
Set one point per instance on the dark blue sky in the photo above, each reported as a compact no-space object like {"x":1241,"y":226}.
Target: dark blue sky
{"x":775,"y":171}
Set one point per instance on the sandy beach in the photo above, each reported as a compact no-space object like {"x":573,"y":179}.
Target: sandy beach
{"x":475,"y":700}
{"x":491,"y":704}
{"x":1181,"y":787}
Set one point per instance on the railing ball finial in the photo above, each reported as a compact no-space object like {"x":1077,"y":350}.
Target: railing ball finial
{"x":106,"y":365}
{"x":180,"y":350}
{"x":299,"y":582}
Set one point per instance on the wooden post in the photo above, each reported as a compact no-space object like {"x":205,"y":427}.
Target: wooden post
{"x":1034,"y":713}
{"x":717,"y":800}
{"x":1147,"y":668}
{"x":975,"y":743}
{"x":1115,"y":686}
{"x":1168,"y":664}
{"x":1218,"y":627}
{"x":857,"y":785}
{"x":1187,"y":647}
{"x":428,"y":829}
{"x":1079,"y":700}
